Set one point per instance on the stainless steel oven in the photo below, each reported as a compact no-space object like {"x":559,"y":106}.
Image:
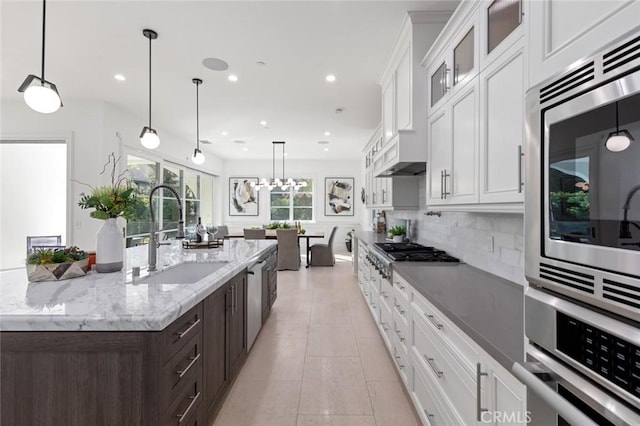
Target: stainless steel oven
{"x":582,"y":188}
{"x":582,"y":365}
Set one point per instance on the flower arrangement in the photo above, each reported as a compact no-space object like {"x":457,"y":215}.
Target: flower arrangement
{"x":120,"y":199}
{"x":278,"y":225}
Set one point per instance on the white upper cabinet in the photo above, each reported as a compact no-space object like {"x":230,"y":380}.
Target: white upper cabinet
{"x":404,"y":94}
{"x":476,"y":74}
{"x":561,"y":33}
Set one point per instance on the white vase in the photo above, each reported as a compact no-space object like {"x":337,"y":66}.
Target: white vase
{"x":110,"y":247}
{"x":398,"y":238}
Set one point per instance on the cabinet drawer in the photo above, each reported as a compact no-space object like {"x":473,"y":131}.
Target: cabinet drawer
{"x":431,"y":408}
{"x":374,"y":304}
{"x":456,"y":381}
{"x":181,"y":369}
{"x":386,"y":327}
{"x":186,"y":405}
{"x":443,"y":329}
{"x":401,"y":310}
{"x":401,"y":359}
{"x":386,"y":296}
{"x":176,"y":335}
{"x":401,"y":332}
{"x":401,"y":287}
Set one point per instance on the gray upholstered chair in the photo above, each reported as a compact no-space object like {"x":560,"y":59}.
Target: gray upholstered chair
{"x":288,"y":249}
{"x":254,"y":234}
{"x":221,"y":231}
{"x":322,"y":254}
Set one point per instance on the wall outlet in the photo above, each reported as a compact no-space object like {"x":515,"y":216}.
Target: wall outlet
{"x":490,"y":247}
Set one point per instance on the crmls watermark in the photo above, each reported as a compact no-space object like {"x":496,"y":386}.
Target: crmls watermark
{"x":501,"y":417}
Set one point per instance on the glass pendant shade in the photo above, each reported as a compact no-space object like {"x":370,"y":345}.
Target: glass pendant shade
{"x":283,"y":184}
{"x":198,"y":157}
{"x":42,"y":98}
{"x":149,"y":138}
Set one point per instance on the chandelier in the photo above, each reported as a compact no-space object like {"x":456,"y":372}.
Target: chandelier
{"x":284,"y":183}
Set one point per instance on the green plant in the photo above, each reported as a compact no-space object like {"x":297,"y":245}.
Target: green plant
{"x":47,"y":256}
{"x":398,"y":230}
{"x":278,"y":225}
{"x":121,"y":198}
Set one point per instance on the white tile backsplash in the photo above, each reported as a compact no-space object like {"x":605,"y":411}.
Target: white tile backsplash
{"x":466,"y":236}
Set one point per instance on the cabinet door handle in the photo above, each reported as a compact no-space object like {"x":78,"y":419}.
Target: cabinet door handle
{"x":520,"y":157}
{"x":433,"y":321}
{"x":374,"y":198}
{"x":479,"y":374}
{"x":433,"y":366}
{"x":192,"y":360}
{"x":398,"y":362}
{"x":400,"y":336}
{"x":384,"y":326}
{"x":384,"y":197}
{"x":445,"y":175}
{"x":431,"y":417}
{"x":446,"y":78}
{"x":183,"y":416}
{"x":181,"y":334}
{"x":441,"y":184}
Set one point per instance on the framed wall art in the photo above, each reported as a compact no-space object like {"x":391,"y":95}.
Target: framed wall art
{"x":243,"y":197}
{"x":338,"y":196}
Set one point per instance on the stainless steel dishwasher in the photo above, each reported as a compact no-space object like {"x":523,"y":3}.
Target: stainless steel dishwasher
{"x":254,"y":301}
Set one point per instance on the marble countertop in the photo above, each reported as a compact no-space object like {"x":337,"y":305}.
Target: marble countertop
{"x":489,"y":309}
{"x":116,"y":301}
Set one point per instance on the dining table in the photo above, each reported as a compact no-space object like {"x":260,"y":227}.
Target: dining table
{"x":270,"y":234}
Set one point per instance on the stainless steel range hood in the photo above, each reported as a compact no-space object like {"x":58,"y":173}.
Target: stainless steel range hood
{"x":404,"y":155}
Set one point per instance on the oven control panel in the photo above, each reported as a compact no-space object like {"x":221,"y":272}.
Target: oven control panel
{"x":609,"y":356}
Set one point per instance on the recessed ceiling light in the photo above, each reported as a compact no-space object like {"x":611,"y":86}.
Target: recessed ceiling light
{"x":330,"y":78}
{"x":327,"y":133}
{"x":326,"y":149}
{"x":224,"y":133}
{"x":119,"y":77}
{"x":215,"y":64}
{"x":263,"y":123}
{"x":245,"y":149}
{"x":233,"y":77}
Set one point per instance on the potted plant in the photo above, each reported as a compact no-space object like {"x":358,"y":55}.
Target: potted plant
{"x":54,"y":265}
{"x":119,"y":199}
{"x":398,"y":232}
{"x":349,"y":240}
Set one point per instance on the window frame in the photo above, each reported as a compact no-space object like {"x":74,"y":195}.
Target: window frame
{"x":291,"y":207}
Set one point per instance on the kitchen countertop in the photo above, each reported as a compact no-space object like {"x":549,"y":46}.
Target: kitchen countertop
{"x":113,"y":302}
{"x":489,"y":309}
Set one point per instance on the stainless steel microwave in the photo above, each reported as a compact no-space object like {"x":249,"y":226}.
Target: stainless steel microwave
{"x":582,"y":192}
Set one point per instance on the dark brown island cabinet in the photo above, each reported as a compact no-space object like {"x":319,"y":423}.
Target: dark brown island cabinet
{"x":269,"y":284}
{"x":177,"y":376}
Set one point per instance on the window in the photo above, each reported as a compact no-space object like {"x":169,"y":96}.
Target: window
{"x":291,"y":204}
{"x":196,"y":193}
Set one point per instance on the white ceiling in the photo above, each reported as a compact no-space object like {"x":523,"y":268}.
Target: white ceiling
{"x":300,"y":42}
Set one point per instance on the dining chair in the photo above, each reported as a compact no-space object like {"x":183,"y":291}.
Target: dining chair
{"x":254,"y":234}
{"x":322,"y":254}
{"x":37,"y":242}
{"x":288,"y":249}
{"x":221,"y":232}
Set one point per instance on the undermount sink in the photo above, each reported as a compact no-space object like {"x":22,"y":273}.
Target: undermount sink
{"x":183,"y":273}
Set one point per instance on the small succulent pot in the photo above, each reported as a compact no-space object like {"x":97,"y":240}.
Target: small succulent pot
{"x":398,"y":238}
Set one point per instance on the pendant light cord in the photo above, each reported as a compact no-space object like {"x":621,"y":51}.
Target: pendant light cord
{"x":273,"y":157}
{"x":44,"y":20}
{"x":617,"y":127}
{"x":197,"y":118}
{"x":150,"y":82}
{"x":283,"y":174}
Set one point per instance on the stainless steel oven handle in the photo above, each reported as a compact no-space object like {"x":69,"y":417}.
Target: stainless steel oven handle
{"x":564,"y":408}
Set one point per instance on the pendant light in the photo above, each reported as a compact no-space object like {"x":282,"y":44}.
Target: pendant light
{"x":198,"y":156}
{"x":149,"y":137}
{"x":620,"y":139}
{"x":39,"y":94}
{"x":283,"y":183}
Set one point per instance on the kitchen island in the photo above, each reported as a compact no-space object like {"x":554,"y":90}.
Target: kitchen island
{"x":109,"y":349}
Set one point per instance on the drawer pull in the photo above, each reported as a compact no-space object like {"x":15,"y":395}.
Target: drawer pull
{"x":479,"y":374}
{"x":183,"y":416}
{"x":433,"y":366}
{"x":384,"y":326}
{"x":193,"y":360}
{"x":399,"y":285}
{"x":399,"y":309}
{"x":400,"y":335}
{"x":181,"y":334}
{"x":398,"y":362}
{"x":431,"y":417}
{"x":385,"y":295}
{"x":433,"y":321}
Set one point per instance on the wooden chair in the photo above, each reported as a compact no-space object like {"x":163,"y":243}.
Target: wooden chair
{"x":288,"y":249}
{"x":322,"y":254}
{"x":254,"y":234}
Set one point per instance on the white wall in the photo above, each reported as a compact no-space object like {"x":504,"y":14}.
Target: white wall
{"x":466,"y":236}
{"x":93,"y":127}
{"x":314,"y":169}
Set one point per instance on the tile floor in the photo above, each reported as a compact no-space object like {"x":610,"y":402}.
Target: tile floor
{"x":319,"y":360}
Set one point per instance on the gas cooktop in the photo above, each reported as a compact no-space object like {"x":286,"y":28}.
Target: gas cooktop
{"x":412,"y":252}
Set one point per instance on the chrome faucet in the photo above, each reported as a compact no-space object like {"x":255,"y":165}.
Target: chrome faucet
{"x":153,"y":239}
